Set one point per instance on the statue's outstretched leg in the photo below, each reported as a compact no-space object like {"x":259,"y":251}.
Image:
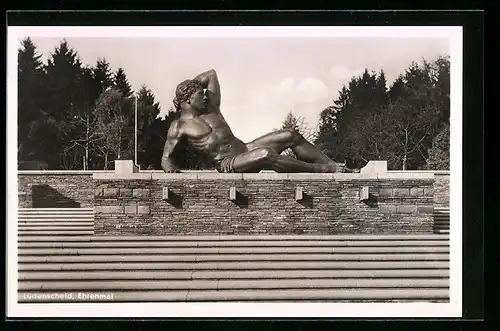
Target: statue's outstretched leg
{"x":280,"y":140}
{"x":267,"y":159}
{"x":287,"y":138}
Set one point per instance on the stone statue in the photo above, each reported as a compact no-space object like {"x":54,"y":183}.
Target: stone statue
{"x":204,"y":128}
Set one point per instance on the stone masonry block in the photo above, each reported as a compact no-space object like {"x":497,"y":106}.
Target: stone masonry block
{"x":108,"y":209}
{"x":428,"y":191}
{"x":401,"y":192}
{"x":425,"y":209}
{"x":130,"y":209}
{"x":407,"y":209}
{"x":98,"y":192}
{"x":110,"y":192}
{"x":387,"y":209}
{"x":385,"y":192}
{"x":141,"y":193}
{"x":143,"y":210}
{"x":125,"y":192}
{"x":416,"y":191}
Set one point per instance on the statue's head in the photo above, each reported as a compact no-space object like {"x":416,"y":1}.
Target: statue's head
{"x":190,"y":92}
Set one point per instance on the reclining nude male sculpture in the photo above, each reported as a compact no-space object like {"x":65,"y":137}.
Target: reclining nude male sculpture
{"x":204,"y":128}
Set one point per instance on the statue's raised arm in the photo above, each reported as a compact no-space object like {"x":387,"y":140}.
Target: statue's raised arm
{"x":210,"y":82}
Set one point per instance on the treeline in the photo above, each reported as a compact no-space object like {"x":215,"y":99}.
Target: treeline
{"x":76,"y":116}
{"x":406,"y":124}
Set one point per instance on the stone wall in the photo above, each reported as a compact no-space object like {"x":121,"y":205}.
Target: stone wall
{"x":55,"y":189}
{"x":399,"y":201}
{"x":442,"y":190}
{"x":133,"y":204}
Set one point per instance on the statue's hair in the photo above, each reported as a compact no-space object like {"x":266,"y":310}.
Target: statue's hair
{"x":184,"y":91}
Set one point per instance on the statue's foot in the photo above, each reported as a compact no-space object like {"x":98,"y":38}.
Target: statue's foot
{"x":341,"y":167}
{"x":337,"y":167}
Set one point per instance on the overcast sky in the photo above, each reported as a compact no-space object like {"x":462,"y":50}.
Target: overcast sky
{"x":261,"y":78}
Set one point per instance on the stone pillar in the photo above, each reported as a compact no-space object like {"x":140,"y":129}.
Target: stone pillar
{"x":375,"y":167}
{"x":125,"y":167}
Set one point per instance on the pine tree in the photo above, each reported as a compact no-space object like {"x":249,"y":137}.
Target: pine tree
{"x":328,"y":123}
{"x":84,"y":122}
{"x":404,"y":131}
{"x":121,"y":82}
{"x":381,"y":95}
{"x":398,"y":89}
{"x":64,"y":70}
{"x":102,"y":76}
{"x":62,"y":102}
{"x":342,"y":129}
{"x":364,"y":97}
{"x":147,"y":111}
{"x":30,"y":93}
{"x":439,"y":153}
{"x":156,"y":137}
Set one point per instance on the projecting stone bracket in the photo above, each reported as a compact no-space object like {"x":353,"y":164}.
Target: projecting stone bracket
{"x":171,"y":197}
{"x":237,"y":197}
{"x":165,"y":193}
{"x":299,"y":193}
{"x":369,"y":199}
{"x":232,"y":193}
{"x":364,"y":193}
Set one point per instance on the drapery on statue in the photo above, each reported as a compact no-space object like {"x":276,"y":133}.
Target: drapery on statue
{"x":204,"y":128}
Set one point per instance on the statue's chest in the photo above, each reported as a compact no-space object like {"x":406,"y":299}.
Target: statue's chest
{"x":198,"y":128}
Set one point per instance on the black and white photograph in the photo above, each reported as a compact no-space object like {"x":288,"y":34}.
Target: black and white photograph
{"x":234,"y":171}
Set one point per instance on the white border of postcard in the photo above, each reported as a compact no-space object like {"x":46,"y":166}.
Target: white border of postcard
{"x":219,"y":309}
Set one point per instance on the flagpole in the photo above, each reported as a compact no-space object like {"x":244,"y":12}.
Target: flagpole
{"x":135,"y":131}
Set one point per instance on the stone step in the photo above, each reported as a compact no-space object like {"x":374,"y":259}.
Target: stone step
{"x":54,"y":210}
{"x":127,"y":285}
{"x":22,"y":232}
{"x":56,"y":215}
{"x":232,"y":265}
{"x":140,"y":246}
{"x":58,"y":275}
{"x":232,"y":257}
{"x":23,"y":224}
{"x":51,"y":228}
{"x":258,"y":295}
{"x":56,"y":218}
{"x":233,"y":238}
{"x":233,"y":250}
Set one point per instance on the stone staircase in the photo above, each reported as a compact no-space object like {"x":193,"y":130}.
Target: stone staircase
{"x":58,"y":253}
{"x":442,"y":220}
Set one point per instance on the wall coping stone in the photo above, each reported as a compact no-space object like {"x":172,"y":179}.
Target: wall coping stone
{"x":62,"y":172}
{"x":155,"y":172}
{"x":436,"y":172}
{"x":261,"y":176}
{"x":118,"y":176}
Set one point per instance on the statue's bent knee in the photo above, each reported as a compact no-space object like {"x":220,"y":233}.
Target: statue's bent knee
{"x":294,"y":136}
{"x":265,"y":154}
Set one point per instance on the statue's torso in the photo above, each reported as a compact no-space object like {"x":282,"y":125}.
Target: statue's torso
{"x":210,"y":133}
